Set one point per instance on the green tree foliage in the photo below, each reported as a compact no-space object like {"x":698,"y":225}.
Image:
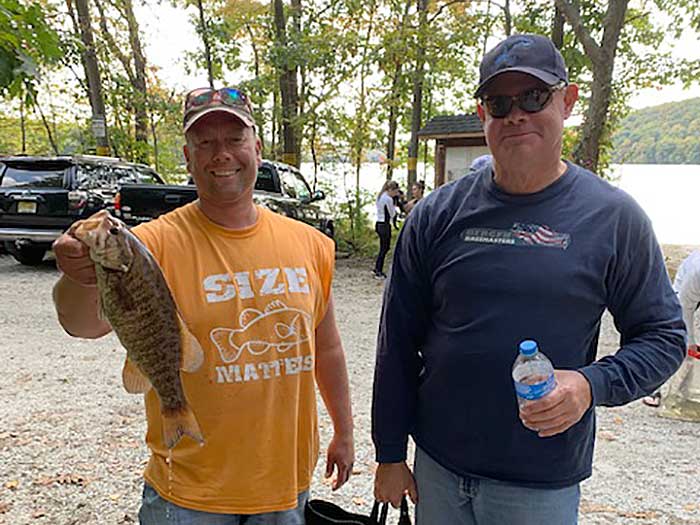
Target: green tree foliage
{"x":665,"y":134}
{"x":27,"y":43}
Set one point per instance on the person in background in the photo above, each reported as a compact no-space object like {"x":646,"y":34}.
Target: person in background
{"x":386,"y":213}
{"x":530,"y":247}
{"x":417,"y":191}
{"x":227,"y":260}
{"x":687,"y":286}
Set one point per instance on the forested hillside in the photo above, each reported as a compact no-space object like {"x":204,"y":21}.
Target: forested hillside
{"x":665,"y":134}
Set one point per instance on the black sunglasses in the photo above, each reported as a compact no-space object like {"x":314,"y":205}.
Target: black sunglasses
{"x":530,"y":101}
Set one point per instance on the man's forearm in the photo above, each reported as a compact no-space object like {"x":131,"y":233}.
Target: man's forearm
{"x":78,"y":310}
{"x":332,"y":379}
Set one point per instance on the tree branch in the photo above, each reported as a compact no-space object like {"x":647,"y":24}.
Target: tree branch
{"x":571,"y":12}
{"x":443,"y":7}
{"x":113,"y":46}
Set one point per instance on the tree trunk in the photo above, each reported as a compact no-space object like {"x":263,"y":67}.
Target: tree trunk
{"x":92,"y":73}
{"x":595,"y":129}
{"x":558,"y":28}
{"x":205,"y":41}
{"x":139,"y":85}
{"x":395,"y":99}
{"x":393,"y":123}
{"x":155,"y":142}
{"x":22,"y":124}
{"x":418,"y":75}
{"x":360,"y":132}
{"x":508,"y":18}
{"x":288,"y":91}
{"x":37,"y":107}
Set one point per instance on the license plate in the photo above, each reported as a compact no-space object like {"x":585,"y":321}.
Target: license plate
{"x":26,"y":207}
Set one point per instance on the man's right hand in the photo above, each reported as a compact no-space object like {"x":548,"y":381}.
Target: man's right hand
{"x":73,"y":259}
{"x":392,"y":481}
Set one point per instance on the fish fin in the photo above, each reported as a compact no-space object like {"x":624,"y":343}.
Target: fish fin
{"x":248,"y":315}
{"x":134,"y":380}
{"x":275,"y":305}
{"x":192,"y":353}
{"x":178,"y":423}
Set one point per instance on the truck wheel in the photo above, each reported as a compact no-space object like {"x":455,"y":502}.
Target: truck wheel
{"x":28,"y":255}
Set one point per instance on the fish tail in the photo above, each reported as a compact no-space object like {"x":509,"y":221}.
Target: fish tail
{"x":180,"y":422}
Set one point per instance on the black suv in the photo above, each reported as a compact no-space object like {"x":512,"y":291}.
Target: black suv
{"x":40,"y":197}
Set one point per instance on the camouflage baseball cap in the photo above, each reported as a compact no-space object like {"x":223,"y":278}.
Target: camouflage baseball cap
{"x":202,"y":101}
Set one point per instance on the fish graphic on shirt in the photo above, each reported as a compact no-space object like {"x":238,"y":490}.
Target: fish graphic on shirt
{"x":277,"y":327}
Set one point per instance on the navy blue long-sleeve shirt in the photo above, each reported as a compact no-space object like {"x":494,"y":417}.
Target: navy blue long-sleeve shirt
{"x":476,"y":271}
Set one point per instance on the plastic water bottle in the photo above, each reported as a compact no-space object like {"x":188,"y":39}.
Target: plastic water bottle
{"x":533,"y":373}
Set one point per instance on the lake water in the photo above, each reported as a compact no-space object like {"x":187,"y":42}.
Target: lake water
{"x":669,"y":194}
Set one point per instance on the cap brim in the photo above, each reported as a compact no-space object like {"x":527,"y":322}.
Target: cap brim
{"x":545,"y":77}
{"x":240,"y":115}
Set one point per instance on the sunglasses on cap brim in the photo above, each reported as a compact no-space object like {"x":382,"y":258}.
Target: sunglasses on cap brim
{"x":227,"y":96}
{"x":531,"y":100}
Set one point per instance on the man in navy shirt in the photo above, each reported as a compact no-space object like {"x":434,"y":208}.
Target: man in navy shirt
{"x":528,"y":247}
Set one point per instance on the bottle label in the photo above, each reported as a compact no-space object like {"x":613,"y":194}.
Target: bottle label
{"x":532,"y":391}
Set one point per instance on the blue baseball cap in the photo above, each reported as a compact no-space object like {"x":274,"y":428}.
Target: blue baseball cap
{"x":534,"y":55}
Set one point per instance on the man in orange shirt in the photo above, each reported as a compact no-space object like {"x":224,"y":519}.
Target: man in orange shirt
{"x":237,"y":272}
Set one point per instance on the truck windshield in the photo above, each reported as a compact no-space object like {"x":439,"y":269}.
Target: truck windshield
{"x":34,"y":175}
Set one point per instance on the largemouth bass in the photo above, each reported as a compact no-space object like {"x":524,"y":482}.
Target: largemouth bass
{"x":136,"y":301}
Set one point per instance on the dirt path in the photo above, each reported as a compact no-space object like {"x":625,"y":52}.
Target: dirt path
{"x":71,"y":440}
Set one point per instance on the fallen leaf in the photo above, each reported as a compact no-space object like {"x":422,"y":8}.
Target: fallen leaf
{"x":4,"y":507}
{"x":63,"y":479}
{"x":38,"y":514}
{"x":356,"y":471}
{"x":114,"y":497}
{"x":607,"y":436}
{"x":12,"y":485}
{"x":358,"y":500}
{"x":691,"y":506}
{"x":618,"y":420}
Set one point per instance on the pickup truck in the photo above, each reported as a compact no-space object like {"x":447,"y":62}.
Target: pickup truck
{"x":40,"y":197}
{"x":279,"y":187}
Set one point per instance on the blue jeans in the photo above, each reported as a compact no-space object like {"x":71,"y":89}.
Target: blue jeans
{"x":446,"y":498}
{"x":157,"y":511}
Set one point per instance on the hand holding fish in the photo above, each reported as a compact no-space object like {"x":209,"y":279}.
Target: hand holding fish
{"x":73,"y":259}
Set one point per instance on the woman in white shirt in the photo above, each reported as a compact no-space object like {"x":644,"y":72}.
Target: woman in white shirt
{"x":386,"y":211}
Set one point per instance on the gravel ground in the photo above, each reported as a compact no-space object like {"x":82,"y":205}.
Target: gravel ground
{"x":71,"y":439}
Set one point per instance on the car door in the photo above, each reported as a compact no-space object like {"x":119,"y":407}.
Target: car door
{"x":34,"y":193}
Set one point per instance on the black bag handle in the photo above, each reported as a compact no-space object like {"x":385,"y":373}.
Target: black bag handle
{"x":380,"y":511}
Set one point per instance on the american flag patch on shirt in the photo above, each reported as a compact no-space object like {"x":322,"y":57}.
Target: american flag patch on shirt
{"x":540,"y":235}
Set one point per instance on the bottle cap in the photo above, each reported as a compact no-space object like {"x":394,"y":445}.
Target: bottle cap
{"x":528,"y":347}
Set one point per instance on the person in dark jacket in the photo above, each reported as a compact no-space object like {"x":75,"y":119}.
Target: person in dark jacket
{"x":529,"y":247}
